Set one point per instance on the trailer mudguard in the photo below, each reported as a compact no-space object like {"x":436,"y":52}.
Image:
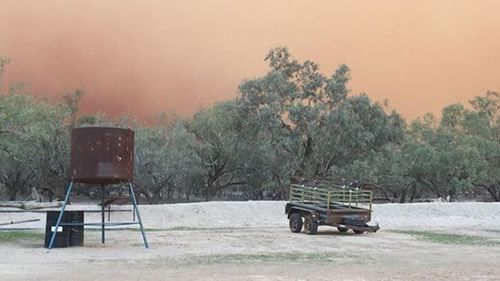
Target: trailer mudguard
{"x":290,"y":209}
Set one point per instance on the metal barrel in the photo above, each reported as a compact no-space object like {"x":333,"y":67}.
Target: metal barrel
{"x":76,"y":231}
{"x":102,"y":155}
{"x":63,"y":232}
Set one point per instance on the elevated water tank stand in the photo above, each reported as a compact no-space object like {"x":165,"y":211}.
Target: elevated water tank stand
{"x":102,"y":224}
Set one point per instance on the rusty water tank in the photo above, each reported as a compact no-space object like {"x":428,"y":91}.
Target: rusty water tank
{"x":102,"y":155}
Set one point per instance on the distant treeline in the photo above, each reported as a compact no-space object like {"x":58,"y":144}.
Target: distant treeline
{"x":290,"y":125}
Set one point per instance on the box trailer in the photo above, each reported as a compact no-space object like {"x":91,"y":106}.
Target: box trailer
{"x":345,"y":208}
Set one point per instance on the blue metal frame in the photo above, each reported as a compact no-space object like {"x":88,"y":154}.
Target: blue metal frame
{"x":61,"y":214}
{"x":135,"y":209}
{"x":138,"y":215}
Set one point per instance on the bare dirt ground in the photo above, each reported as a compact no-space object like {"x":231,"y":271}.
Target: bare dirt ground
{"x":269,"y":251}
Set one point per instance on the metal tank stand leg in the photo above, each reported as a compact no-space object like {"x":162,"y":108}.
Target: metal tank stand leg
{"x":133,"y":206}
{"x":103,"y":228}
{"x":134,"y":201}
{"x":61,"y":215}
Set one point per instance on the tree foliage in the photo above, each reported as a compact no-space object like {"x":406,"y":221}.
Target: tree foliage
{"x":292,"y":124}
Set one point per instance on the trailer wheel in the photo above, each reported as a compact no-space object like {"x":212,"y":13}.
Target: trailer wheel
{"x":295,"y":223}
{"x":358,"y":231}
{"x":342,"y":229}
{"x":310,"y":225}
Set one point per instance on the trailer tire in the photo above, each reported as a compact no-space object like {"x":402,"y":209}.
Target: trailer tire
{"x":295,"y":223}
{"x":310,"y":225}
{"x":358,"y":231}
{"x":342,"y":229}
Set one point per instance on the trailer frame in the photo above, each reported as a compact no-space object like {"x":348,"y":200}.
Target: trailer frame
{"x":327,"y":204}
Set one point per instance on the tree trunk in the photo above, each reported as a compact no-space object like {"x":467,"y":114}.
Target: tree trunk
{"x":494,"y":191}
{"x":209,"y":189}
{"x":280,"y":185}
{"x":413,"y":192}
{"x":188,"y":192}
{"x":403,"y":195}
{"x":12,"y":191}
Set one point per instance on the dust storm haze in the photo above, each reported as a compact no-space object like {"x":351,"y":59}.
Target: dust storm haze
{"x":145,"y":57}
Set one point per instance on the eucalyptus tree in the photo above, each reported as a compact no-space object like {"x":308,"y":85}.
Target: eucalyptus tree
{"x":153,"y":168}
{"x":220,"y":147}
{"x":356,"y":129}
{"x":167,"y":162}
{"x":189,"y":169}
{"x":309,"y":122}
{"x":446,"y":166}
{"x":460,"y":151}
{"x":477,"y":129}
{"x":488,"y":166}
{"x":34,"y":141}
{"x":483,"y":126}
{"x":34,"y":145}
{"x":386,"y":172}
{"x":286,"y":105}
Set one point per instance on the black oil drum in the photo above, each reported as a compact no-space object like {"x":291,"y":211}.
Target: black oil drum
{"x":76,"y":231}
{"x":63,"y":233}
{"x":68,"y":235}
{"x":102,"y":155}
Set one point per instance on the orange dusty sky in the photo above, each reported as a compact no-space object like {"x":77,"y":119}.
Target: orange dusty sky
{"x":151,"y":56}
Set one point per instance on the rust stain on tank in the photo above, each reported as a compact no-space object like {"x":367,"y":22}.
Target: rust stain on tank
{"x":102,"y":155}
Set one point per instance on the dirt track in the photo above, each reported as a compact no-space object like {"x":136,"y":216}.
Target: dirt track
{"x":253,"y":254}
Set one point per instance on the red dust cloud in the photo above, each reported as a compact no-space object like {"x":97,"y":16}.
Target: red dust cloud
{"x":145,"y":57}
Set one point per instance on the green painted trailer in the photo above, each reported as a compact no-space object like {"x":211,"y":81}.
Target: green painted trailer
{"x":344,"y":208}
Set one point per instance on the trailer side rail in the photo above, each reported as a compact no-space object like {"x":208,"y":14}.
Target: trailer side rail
{"x":326,"y":198}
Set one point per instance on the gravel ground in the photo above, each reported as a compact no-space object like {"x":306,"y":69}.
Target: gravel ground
{"x":251,"y":241}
